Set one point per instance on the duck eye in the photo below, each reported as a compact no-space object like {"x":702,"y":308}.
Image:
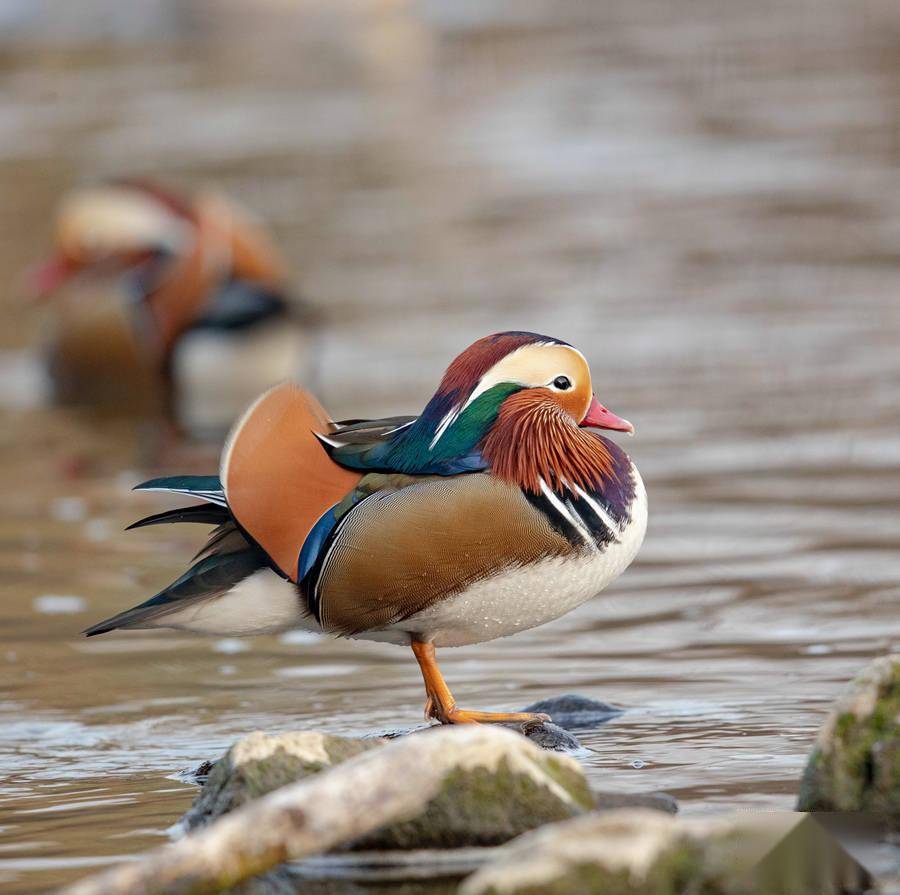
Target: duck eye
{"x":563,"y":383}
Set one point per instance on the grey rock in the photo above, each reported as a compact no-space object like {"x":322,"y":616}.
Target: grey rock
{"x":258,"y":763}
{"x":502,"y":786}
{"x":655,"y":801}
{"x":855,"y":763}
{"x":458,"y":782}
{"x":495,"y":785}
{"x":550,"y":736}
{"x":574,"y":712}
{"x":635,"y":852}
{"x":197,"y":775}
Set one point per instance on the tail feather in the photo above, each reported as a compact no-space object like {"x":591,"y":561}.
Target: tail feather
{"x":226,"y":538}
{"x":205,"y":580}
{"x":204,"y":513}
{"x":279,"y":484}
{"x":227,"y":558}
{"x":207,"y":487}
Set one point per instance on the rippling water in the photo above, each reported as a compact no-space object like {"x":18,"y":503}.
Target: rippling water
{"x":703,"y":199}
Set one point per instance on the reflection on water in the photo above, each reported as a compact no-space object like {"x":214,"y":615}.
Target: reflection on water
{"x":704,"y":200}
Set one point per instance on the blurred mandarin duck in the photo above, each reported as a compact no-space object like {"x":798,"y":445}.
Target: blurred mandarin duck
{"x":496,"y":510}
{"x":202,"y":329}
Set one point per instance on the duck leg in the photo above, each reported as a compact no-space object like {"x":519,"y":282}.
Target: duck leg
{"x":442,"y":706}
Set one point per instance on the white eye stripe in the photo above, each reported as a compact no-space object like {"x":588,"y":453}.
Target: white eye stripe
{"x":498,"y":374}
{"x":511,"y":369}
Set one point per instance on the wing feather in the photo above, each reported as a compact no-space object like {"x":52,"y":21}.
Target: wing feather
{"x":277,"y":477}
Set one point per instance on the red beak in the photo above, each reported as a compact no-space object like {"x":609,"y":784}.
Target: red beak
{"x":598,"y":417}
{"x":45,"y":277}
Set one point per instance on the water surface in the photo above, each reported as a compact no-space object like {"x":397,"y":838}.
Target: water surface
{"x":703,"y":199}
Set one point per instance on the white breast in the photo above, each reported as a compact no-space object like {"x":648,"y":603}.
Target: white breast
{"x":526,"y":596}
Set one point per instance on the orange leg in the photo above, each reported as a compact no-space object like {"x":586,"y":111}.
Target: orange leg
{"x":441,"y":704}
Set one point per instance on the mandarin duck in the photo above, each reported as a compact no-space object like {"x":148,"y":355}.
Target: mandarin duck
{"x":496,"y":510}
{"x":204,"y":325}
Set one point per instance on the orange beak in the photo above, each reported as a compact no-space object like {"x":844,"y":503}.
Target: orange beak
{"x":598,"y":417}
{"x":45,"y":277}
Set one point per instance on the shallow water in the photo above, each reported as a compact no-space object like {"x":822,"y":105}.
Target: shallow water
{"x":706,"y":205}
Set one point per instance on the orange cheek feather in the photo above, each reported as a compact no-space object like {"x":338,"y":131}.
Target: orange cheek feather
{"x":533,"y":440}
{"x":575,"y":402}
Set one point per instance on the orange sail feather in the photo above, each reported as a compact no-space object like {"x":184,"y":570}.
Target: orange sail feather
{"x":277,"y":477}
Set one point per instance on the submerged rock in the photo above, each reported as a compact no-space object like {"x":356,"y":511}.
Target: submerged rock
{"x":197,"y":775}
{"x":855,"y":763}
{"x":574,"y":712}
{"x":549,"y":736}
{"x":494,"y":784}
{"x":260,"y":762}
{"x":655,"y":801}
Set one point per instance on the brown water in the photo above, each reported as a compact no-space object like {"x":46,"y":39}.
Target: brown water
{"x":702,"y":196}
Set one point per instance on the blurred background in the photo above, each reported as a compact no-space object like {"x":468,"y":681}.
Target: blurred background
{"x":703,"y":196}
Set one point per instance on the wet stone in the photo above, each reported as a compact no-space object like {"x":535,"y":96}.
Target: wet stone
{"x":551,"y":737}
{"x":639,"y":852}
{"x":625,"y":853}
{"x":259,"y":763}
{"x":855,"y":763}
{"x":654,"y":801}
{"x":574,"y":712}
{"x":200,"y":774}
{"x":495,"y":785}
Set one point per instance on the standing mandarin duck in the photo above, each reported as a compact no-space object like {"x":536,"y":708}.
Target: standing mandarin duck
{"x":496,"y":510}
{"x":204,"y":325}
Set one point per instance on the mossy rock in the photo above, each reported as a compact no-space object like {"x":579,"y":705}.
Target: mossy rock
{"x":855,"y":763}
{"x":494,"y":785}
{"x":634,"y":852}
{"x":504,"y":787}
{"x":640,"y":852}
{"x":259,"y":763}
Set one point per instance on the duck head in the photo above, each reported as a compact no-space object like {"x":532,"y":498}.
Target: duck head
{"x":177,"y":251}
{"x":542,"y":370}
{"x":110,"y":229}
{"x":521,"y":401}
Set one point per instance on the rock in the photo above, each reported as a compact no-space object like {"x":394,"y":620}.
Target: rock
{"x":495,"y":784}
{"x":855,"y":763}
{"x":200,"y":774}
{"x":574,"y":712}
{"x":549,"y":736}
{"x":545,"y":734}
{"x":655,"y":801}
{"x":638,"y":852}
{"x":634,"y":852}
{"x":394,"y":783}
{"x":260,"y":762}
{"x":492,"y":792}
